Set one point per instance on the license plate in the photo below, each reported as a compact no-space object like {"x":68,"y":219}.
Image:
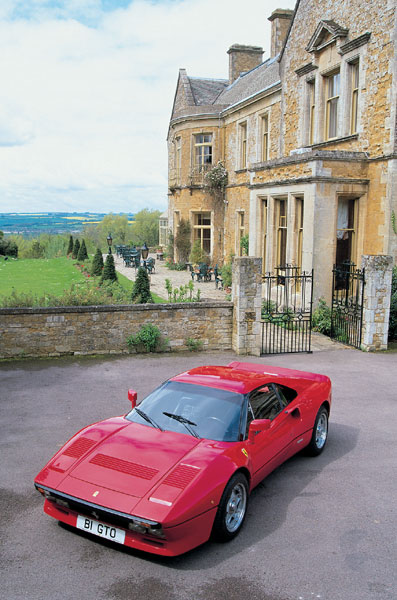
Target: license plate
{"x":97,"y":528}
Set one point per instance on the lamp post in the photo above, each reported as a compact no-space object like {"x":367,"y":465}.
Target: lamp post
{"x":109,"y":240}
{"x":144,"y":252}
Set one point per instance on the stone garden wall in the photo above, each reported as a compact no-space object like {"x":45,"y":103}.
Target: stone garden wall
{"x":104,"y":329}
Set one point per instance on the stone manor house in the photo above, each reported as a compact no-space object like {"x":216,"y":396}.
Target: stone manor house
{"x":308,"y":138}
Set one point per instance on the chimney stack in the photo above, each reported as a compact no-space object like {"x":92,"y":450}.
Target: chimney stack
{"x":243,"y":59}
{"x":280,"y":20}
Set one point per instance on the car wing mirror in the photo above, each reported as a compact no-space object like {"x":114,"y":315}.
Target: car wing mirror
{"x":257,"y":426}
{"x":132,"y":397}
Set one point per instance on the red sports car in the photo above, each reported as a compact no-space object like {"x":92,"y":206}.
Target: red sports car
{"x":180,"y":466}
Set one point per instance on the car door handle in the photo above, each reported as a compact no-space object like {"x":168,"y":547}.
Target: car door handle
{"x":294,"y":412}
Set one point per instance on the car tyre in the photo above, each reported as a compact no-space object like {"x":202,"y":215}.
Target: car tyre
{"x":232,"y":509}
{"x":320,"y":433}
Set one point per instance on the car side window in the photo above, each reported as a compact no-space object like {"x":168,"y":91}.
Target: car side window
{"x":263,"y":403}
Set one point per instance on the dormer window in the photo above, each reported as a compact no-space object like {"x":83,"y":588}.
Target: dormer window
{"x":327,"y":33}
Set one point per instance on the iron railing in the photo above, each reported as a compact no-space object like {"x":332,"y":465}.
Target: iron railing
{"x":287,"y":311}
{"x":198,"y":173}
{"x":347,"y":304}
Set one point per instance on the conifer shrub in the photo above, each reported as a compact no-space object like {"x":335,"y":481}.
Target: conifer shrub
{"x":182,"y":240}
{"x":198,"y":255}
{"x":76,"y":248}
{"x":109,"y":270}
{"x":82,"y":254}
{"x":97,"y":263}
{"x":70,"y":246}
{"x":141,"y":290}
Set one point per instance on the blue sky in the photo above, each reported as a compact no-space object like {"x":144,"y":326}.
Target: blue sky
{"x":87,"y":88}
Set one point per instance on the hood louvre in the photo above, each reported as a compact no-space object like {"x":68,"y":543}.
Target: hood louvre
{"x":123,"y":466}
{"x":79,"y":447}
{"x":181,"y":476}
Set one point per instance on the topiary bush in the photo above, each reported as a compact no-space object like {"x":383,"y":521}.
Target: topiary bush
{"x":70,"y":246}
{"x":82,"y":254}
{"x":76,"y":248}
{"x":109,"y":270}
{"x":97,"y":263}
{"x":141,"y":290}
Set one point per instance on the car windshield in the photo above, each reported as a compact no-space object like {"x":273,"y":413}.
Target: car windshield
{"x":198,"y":410}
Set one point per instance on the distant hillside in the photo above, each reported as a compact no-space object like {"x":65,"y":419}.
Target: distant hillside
{"x":33,"y":224}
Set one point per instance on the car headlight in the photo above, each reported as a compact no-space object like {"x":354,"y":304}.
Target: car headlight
{"x":146,"y":527}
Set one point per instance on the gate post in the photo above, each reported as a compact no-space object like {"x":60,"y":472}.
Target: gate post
{"x":377,"y":293}
{"x":247,"y":300}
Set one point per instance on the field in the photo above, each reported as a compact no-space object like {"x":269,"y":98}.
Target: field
{"x":45,"y":276}
{"x":33,"y":224}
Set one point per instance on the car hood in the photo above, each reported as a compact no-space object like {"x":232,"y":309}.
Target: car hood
{"x":132,"y":460}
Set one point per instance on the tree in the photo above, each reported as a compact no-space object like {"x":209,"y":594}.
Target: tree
{"x":97,"y":263}
{"x":7,"y":247}
{"x":182,"y":240}
{"x":83,"y":254}
{"x":141,"y":290}
{"x":76,"y":248}
{"x":109,"y":270}
{"x":70,"y":247}
{"x":146,"y":227}
{"x":117,"y":225}
{"x":37,"y":250}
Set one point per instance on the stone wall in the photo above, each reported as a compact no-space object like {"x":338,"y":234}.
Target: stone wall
{"x":247,"y":298}
{"x":104,"y":329}
{"x":377,"y":295}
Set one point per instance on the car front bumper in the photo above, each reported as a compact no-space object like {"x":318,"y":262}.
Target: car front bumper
{"x":175,"y":540}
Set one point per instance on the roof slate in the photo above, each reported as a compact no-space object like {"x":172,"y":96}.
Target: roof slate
{"x":251,"y":83}
{"x":205,"y":91}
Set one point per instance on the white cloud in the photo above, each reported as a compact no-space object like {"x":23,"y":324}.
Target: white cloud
{"x":86,"y":94}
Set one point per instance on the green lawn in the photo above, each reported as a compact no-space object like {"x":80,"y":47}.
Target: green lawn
{"x":38,"y":276}
{"x":46,"y":276}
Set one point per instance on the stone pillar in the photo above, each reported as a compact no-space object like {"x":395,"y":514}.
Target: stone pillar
{"x":377,"y":293}
{"x":247,"y":299}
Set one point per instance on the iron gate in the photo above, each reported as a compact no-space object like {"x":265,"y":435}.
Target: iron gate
{"x":287,"y":311}
{"x":347,"y":304}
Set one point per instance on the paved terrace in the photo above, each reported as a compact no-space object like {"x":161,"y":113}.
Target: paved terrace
{"x":177,"y":278}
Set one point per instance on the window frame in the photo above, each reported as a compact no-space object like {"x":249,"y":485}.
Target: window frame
{"x":281,"y":227}
{"x":332,"y":104}
{"x":311,"y":110}
{"x":243,"y":137}
{"x":178,"y":159}
{"x":199,"y":229}
{"x":265,"y":137}
{"x":281,"y":398}
{"x":352,"y":211}
{"x":200,"y":159}
{"x":240,"y":225}
{"x":354,"y":95}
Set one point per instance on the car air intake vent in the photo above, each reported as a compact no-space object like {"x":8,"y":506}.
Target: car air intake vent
{"x":79,"y":447}
{"x":181,"y":476}
{"x":123,"y":466}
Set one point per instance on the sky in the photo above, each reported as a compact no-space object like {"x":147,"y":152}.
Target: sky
{"x":87,"y":88}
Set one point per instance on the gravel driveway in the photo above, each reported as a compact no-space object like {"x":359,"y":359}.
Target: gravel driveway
{"x":317,"y":527}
